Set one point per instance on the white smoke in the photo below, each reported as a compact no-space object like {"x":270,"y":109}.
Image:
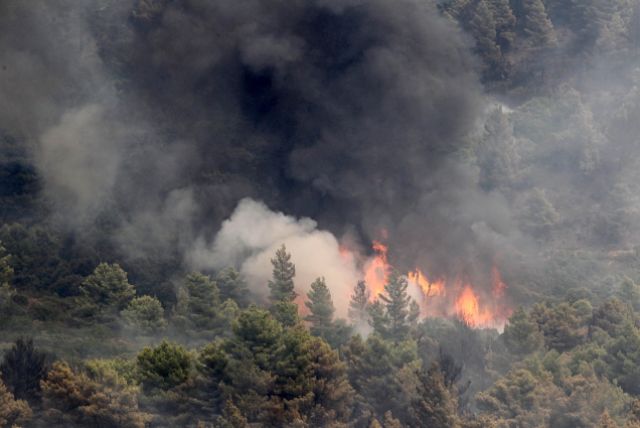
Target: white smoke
{"x":250,"y":237}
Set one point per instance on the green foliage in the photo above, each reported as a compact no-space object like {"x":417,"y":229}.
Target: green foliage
{"x":286,"y":313}
{"x":281,"y":285}
{"x":396,"y":301}
{"x":434,"y":406}
{"x":233,"y":286}
{"x":145,"y":313}
{"x":12,"y":412}
{"x":378,"y":319}
{"x":199,"y":308}
{"x":521,"y":335}
{"x":382,"y":373}
{"x":164,"y":366}
{"x":22,"y":369}
{"x":561,"y":325}
{"x":73,"y":399}
{"x":277,"y":376}
{"x":108,"y":287}
{"x":359,"y":304}
{"x":320,"y":308}
{"x":6,"y":271}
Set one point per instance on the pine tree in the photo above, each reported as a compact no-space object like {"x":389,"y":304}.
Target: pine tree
{"x":22,"y":369}
{"x":145,"y":313}
{"x":414,"y":313}
{"x":73,"y":399}
{"x":108,"y":287}
{"x":199,"y":307}
{"x":281,"y":286}
{"x":233,"y":286}
{"x":7,"y":291}
{"x":12,"y":411}
{"x":378,"y":319}
{"x":321,"y":309}
{"x":396,"y":302}
{"x":6,"y":271}
{"x":505,"y":22}
{"x":483,"y":28}
{"x":537,"y":26}
{"x":606,"y":421}
{"x":434,"y":406}
{"x":359,"y":304}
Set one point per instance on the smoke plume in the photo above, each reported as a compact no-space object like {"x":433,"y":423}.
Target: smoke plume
{"x":159,"y":116}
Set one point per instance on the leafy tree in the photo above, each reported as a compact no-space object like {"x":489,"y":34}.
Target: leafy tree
{"x":108,"y":287}
{"x":6,"y":271}
{"x":630,"y":293}
{"x":281,"y":286}
{"x":320,"y":309}
{"x":483,"y":28}
{"x":434,"y":405}
{"x":521,"y":335}
{"x":145,"y":313}
{"x":73,"y":399}
{"x":414,"y":313}
{"x":359,"y":304}
{"x":12,"y":411}
{"x":505,"y":23}
{"x":277,"y":376}
{"x":606,"y":421}
{"x":397,"y":302}
{"x":164,"y":366}
{"x":22,"y":369}
{"x":378,"y":318}
{"x":561,"y":326}
{"x":623,"y":359}
{"x":286,"y":313}
{"x":612,"y":316}
{"x":233,"y":286}
{"x":39,"y":260}
{"x":6,"y":290}
{"x":521,"y":399}
{"x":497,"y":153}
{"x":199,"y":307}
{"x":539,"y":216}
{"x":536,"y":25}
{"x":382,"y":373}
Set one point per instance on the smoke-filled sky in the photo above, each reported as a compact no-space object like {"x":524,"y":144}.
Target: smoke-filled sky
{"x":158,"y":117}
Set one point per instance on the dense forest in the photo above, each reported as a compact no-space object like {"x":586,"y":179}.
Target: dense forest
{"x":320,"y":213}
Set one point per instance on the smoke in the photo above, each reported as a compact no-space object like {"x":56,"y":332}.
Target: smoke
{"x":253,"y":233}
{"x":162,"y":115}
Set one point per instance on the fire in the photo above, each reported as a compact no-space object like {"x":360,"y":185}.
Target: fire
{"x":427,"y":287}
{"x":377,"y":269}
{"x":468,"y":309}
{"x":445,"y":297}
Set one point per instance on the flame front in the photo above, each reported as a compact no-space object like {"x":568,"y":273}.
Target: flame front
{"x":377,"y":269}
{"x":427,"y":287}
{"x":468,"y":309}
{"x":445,"y":297}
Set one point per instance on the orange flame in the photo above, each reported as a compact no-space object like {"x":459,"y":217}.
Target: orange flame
{"x":444,"y":297}
{"x":377,"y":269}
{"x":468,"y":309}
{"x":427,"y":287}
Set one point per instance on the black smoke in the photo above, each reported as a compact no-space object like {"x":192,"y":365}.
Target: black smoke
{"x":153,"y":118}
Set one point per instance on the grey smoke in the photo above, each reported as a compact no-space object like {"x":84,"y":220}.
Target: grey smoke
{"x":162,"y":115}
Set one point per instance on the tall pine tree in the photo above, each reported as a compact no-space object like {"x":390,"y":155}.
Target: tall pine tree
{"x":359,"y":304}
{"x":396,"y":301}
{"x":282,"y":289}
{"x":320,"y":309}
{"x":281,"y":286}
